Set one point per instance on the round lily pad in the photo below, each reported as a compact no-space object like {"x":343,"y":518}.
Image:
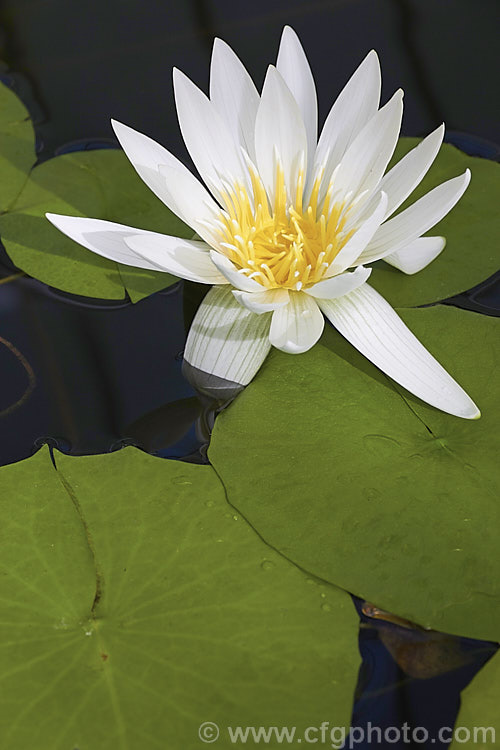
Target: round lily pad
{"x":360,"y":483}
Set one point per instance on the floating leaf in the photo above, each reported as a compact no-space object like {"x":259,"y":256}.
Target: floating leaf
{"x":472,"y":231}
{"x":477,"y":724}
{"x":367,"y":487}
{"x":136,"y":604}
{"x":17,"y":146}
{"x":101,"y":184}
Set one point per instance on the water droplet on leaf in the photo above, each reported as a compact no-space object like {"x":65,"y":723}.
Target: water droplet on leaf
{"x":181,"y":480}
{"x":267,"y":565}
{"x":381,"y":445}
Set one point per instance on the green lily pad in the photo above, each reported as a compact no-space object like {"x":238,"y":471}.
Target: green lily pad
{"x":17,"y":146}
{"x":101,"y":184}
{"x":136,"y":605}
{"x":472,"y":231}
{"x":478,"y":723}
{"x":363,"y":485}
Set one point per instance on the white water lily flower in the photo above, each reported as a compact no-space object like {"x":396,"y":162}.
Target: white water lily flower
{"x":285,"y":216}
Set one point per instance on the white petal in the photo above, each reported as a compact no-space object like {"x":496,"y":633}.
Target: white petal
{"x":417,"y":255}
{"x":339,"y":285}
{"x":234,"y":95}
{"x":232,"y":275}
{"x":188,"y":259}
{"x":354,"y":107}
{"x":293,"y":65}
{"x":175,"y":186}
{"x":226,"y":340}
{"x":354,"y":247}
{"x":279,"y":129}
{"x":194,"y":204}
{"x":404,"y":177}
{"x":365,"y":319}
{"x":261,"y":302}
{"x":296,"y":327}
{"x":415,"y":220}
{"x":366,"y":159}
{"x":105,"y":238}
{"x":213,"y":150}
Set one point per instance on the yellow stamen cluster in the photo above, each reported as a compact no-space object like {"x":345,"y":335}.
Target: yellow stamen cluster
{"x":288,"y":244}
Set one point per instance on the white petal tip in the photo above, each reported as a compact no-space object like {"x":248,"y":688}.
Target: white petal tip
{"x":465,"y":407}
{"x":476,"y":414}
{"x":221,"y":46}
{"x":120,"y":130}
{"x":58,"y":219}
{"x":372,"y":58}
{"x":178,"y":75}
{"x":119,"y":126}
{"x":288,"y":31}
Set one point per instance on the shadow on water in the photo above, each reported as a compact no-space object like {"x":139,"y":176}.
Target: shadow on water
{"x":413,"y":676}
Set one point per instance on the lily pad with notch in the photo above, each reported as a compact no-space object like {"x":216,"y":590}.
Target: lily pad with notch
{"x":360,"y":483}
{"x":137,"y":606}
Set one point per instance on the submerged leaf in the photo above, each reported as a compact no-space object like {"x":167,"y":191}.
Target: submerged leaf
{"x":165,"y":425}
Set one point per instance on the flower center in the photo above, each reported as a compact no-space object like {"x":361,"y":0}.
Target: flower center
{"x":288,"y":245}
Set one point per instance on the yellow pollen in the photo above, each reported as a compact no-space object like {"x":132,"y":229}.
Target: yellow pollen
{"x":284,"y":245}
